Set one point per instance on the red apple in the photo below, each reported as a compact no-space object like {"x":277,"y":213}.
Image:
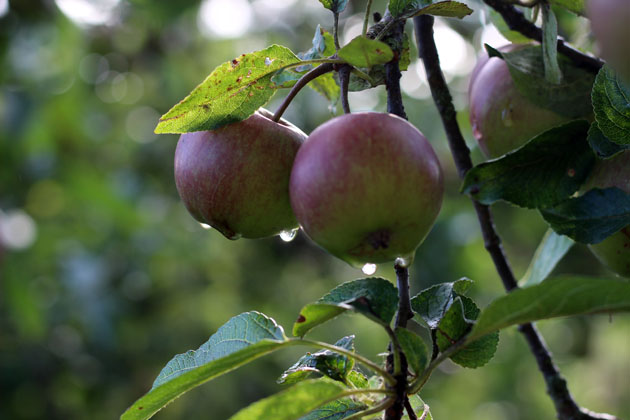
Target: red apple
{"x":236,"y":178}
{"x":613,"y":251}
{"x":610,"y":22}
{"x":367,"y":187}
{"x":502,"y":119}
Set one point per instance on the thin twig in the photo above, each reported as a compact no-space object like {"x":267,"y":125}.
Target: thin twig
{"x":366,"y":20}
{"x":304,"y":80}
{"x":344,"y":78}
{"x":566,"y":407}
{"x":410,"y":413}
{"x":517,"y":21}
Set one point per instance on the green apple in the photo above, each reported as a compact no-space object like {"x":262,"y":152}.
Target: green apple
{"x":236,"y":178}
{"x":613,"y":251}
{"x":610,"y":23}
{"x":367,"y":187}
{"x":501,"y":118}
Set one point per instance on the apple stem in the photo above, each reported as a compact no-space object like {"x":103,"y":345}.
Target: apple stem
{"x":566,"y":407}
{"x":517,"y":21}
{"x":304,"y":80}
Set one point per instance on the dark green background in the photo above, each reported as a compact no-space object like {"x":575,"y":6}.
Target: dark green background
{"x":118,"y":277}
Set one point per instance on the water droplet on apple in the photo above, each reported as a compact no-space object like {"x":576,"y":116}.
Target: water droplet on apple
{"x":288,"y":235}
{"x":506,"y":117}
{"x":205,"y":226}
{"x":369,"y":269}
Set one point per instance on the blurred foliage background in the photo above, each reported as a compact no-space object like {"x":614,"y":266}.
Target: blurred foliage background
{"x":104,"y":276}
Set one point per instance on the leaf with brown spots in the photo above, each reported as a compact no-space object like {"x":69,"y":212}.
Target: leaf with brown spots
{"x":231,"y":93}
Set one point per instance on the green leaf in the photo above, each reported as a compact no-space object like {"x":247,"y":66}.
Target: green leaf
{"x":571,"y":97}
{"x":357,"y":379}
{"x":405,"y":9}
{"x":550,"y":45}
{"x":414,"y":348}
{"x":592,"y":217}
{"x":231,"y":93}
{"x":373,"y":297}
{"x":242,"y":339}
{"x":431,"y":304}
{"x":575,"y":6}
{"x":418,"y":407}
{"x":364,"y":52}
{"x":555,"y":297}
{"x":336,"y":6}
{"x":326,"y":86}
{"x":544,"y":171}
{"x":325,"y":362}
{"x":293,"y":403}
{"x":455,"y":324}
{"x":601,"y":145}
{"x":551,"y":250}
{"x":336,"y":410}
{"x":611,"y":103}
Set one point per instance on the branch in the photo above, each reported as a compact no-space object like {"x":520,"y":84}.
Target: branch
{"x":566,"y":407}
{"x":518,"y":22}
{"x":404,"y":304}
{"x":344,"y":79}
{"x":393,"y":75}
{"x":409,"y":409}
{"x":304,"y":80}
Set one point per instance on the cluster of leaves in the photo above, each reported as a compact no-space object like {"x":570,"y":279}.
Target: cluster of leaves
{"x":342,"y":388}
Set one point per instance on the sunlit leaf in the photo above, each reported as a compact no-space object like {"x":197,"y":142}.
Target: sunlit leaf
{"x":336,"y":410}
{"x":292,"y":403}
{"x":242,"y":339}
{"x":364,"y":52}
{"x":551,"y":250}
{"x":555,"y":297}
{"x":231,"y":93}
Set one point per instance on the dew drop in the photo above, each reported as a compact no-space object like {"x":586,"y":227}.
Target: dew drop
{"x":369,"y":269}
{"x":205,"y":226}
{"x":288,"y":235}
{"x":506,"y":117}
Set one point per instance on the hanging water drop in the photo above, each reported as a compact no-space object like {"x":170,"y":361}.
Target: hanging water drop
{"x":369,"y":269}
{"x":288,"y":235}
{"x":205,"y":226}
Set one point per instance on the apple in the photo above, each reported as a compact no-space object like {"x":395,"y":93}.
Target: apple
{"x":501,"y":118}
{"x":366,"y":187}
{"x":610,"y":23}
{"x":236,"y":178}
{"x":613,"y":251}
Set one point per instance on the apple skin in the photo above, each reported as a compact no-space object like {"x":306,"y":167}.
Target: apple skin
{"x":236,"y":178}
{"x":367,"y":187}
{"x":501,"y":118}
{"x":613,"y":251}
{"x":610,"y":23}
